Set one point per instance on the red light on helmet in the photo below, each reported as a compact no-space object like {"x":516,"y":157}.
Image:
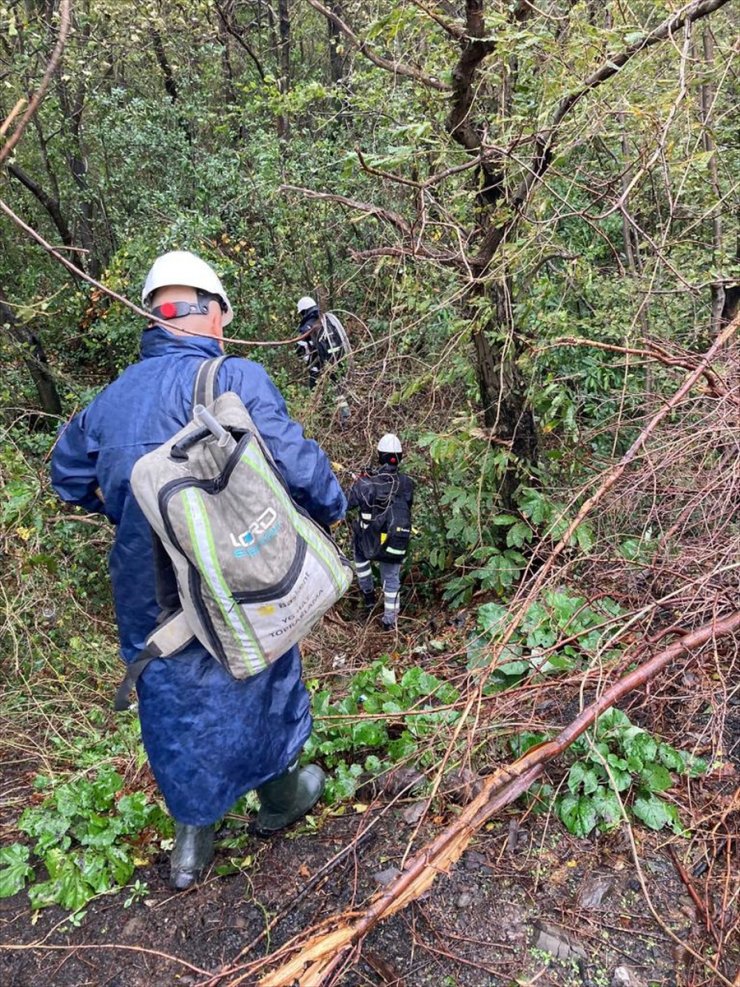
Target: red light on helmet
{"x":168,"y":310}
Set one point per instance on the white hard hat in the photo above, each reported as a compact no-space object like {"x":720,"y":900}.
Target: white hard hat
{"x":305,"y":304}
{"x":390,"y":443}
{"x":182,"y":267}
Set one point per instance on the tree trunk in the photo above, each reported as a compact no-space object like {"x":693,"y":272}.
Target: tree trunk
{"x":284,"y":57}
{"x":506,"y":411}
{"x":336,"y":58}
{"x":35,"y":359}
{"x":706,"y":93}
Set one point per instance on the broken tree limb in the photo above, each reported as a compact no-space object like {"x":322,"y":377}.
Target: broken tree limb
{"x":313,"y":960}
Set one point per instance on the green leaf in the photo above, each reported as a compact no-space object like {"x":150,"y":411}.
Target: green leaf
{"x":520,"y":743}
{"x":578,"y":814}
{"x":514,"y":667}
{"x":105,"y":787}
{"x":492,"y":618}
{"x":518,"y":535}
{"x":584,"y":537}
{"x":74,"y":891}
{"x":371,"y":733}
{"x":66,"y":885}
{"x":94,"y":870}
{"x":582,"y":774}
{"x":120,"y":864}
{"x":564,"y":606}
{"x":695,"y":765}
{"x":638,"y":744}
{"x":656,"y":812}
{"x":72,"y":799}
{"x":134,"y":811}
{"x":417,"y":682}
{"x":403,"y":747}
{"x":655,"y":777}
{"x":671,"y":758}
{"x":612,"y":719}
{"x":619,"y":774}
{"x":15,"y":869}
{"x":373,"y":764}
{"x":606,"y":804}
{"x":387,"y":676}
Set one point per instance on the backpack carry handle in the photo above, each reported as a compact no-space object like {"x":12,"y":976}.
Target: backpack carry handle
{"x":180,"y":449}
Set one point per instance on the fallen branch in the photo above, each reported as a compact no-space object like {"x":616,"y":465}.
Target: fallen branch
{"x":312,"y":961}
{"x":702,"y":909}
{"x":31,"y":947}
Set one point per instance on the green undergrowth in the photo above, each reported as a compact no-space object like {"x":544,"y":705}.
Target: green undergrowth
{"x":559,"y":633}
{"x":359,"y":734}
{"x":617,"y":770}
{"x":87,"y":835}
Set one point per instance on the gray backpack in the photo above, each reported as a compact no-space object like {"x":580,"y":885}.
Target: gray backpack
{"x":239,"y":565}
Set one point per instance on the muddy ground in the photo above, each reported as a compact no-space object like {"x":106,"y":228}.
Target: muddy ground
{"x":526,"y":904}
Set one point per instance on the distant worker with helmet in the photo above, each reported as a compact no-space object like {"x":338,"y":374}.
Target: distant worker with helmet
{"x":324,"y":344}
{"x":383,"y":498}
{"x":209,"y":737}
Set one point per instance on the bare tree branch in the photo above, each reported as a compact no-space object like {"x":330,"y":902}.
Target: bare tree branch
{"x":230,"y":29}
{"x":50,"y":204}
{"x":64,"y":23}
{"x":413,"y":249}
{"x":394,"y":218}
{"x":454,"y":30}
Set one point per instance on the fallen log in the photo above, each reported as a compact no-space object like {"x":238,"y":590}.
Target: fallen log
{"x":312,"y":960}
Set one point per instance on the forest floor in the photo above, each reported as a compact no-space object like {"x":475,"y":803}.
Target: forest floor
{"x":526,"y":904}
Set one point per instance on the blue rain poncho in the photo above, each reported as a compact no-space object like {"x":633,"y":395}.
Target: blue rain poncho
{"x":209,"y":737}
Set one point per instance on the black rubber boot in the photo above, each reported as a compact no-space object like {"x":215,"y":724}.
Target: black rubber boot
{"x":288,"y":798}
{"x":368,"y":601}
{"x":193,"y":852}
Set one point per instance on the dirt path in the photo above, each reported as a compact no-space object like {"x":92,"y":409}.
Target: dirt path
{"x":525,"y":904}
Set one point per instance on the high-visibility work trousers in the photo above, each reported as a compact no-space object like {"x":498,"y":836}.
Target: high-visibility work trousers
{"x":390,"y":577}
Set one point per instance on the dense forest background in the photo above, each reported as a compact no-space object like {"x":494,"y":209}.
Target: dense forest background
{"x":526,"y":214}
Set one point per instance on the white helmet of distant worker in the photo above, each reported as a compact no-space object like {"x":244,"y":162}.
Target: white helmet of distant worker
{"x":305,"y":304}
{"x":390,"y":443}
{"x":180,"y":267}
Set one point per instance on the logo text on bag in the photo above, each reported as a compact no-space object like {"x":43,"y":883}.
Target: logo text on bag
{"x":259,"y":533}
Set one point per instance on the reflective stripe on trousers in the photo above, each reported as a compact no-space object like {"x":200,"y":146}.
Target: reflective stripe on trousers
{"x":390,"y":577}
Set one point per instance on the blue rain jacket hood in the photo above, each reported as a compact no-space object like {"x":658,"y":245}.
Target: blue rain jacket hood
{"x":209,"y":737}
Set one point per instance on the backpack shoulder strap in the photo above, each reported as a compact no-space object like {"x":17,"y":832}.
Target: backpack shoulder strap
{"x":205,"y":389}
{"x":167,"y":638}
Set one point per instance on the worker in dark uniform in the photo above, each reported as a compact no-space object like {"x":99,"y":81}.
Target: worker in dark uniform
{"x":383,"y":499}
{"x":324,"y":345}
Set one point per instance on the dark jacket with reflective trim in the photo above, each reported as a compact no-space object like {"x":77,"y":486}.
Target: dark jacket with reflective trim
{"x":209,"y":738}
{"x":370,"y":494}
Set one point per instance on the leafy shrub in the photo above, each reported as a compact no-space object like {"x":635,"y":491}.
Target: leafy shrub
{"x":621,"y":764}
{"x":376,"y":690}
{"x":560,"y":615}
{"x":85,"y":838}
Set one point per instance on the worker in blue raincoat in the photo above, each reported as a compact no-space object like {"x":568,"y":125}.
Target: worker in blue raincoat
{"x":209,"y":737}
